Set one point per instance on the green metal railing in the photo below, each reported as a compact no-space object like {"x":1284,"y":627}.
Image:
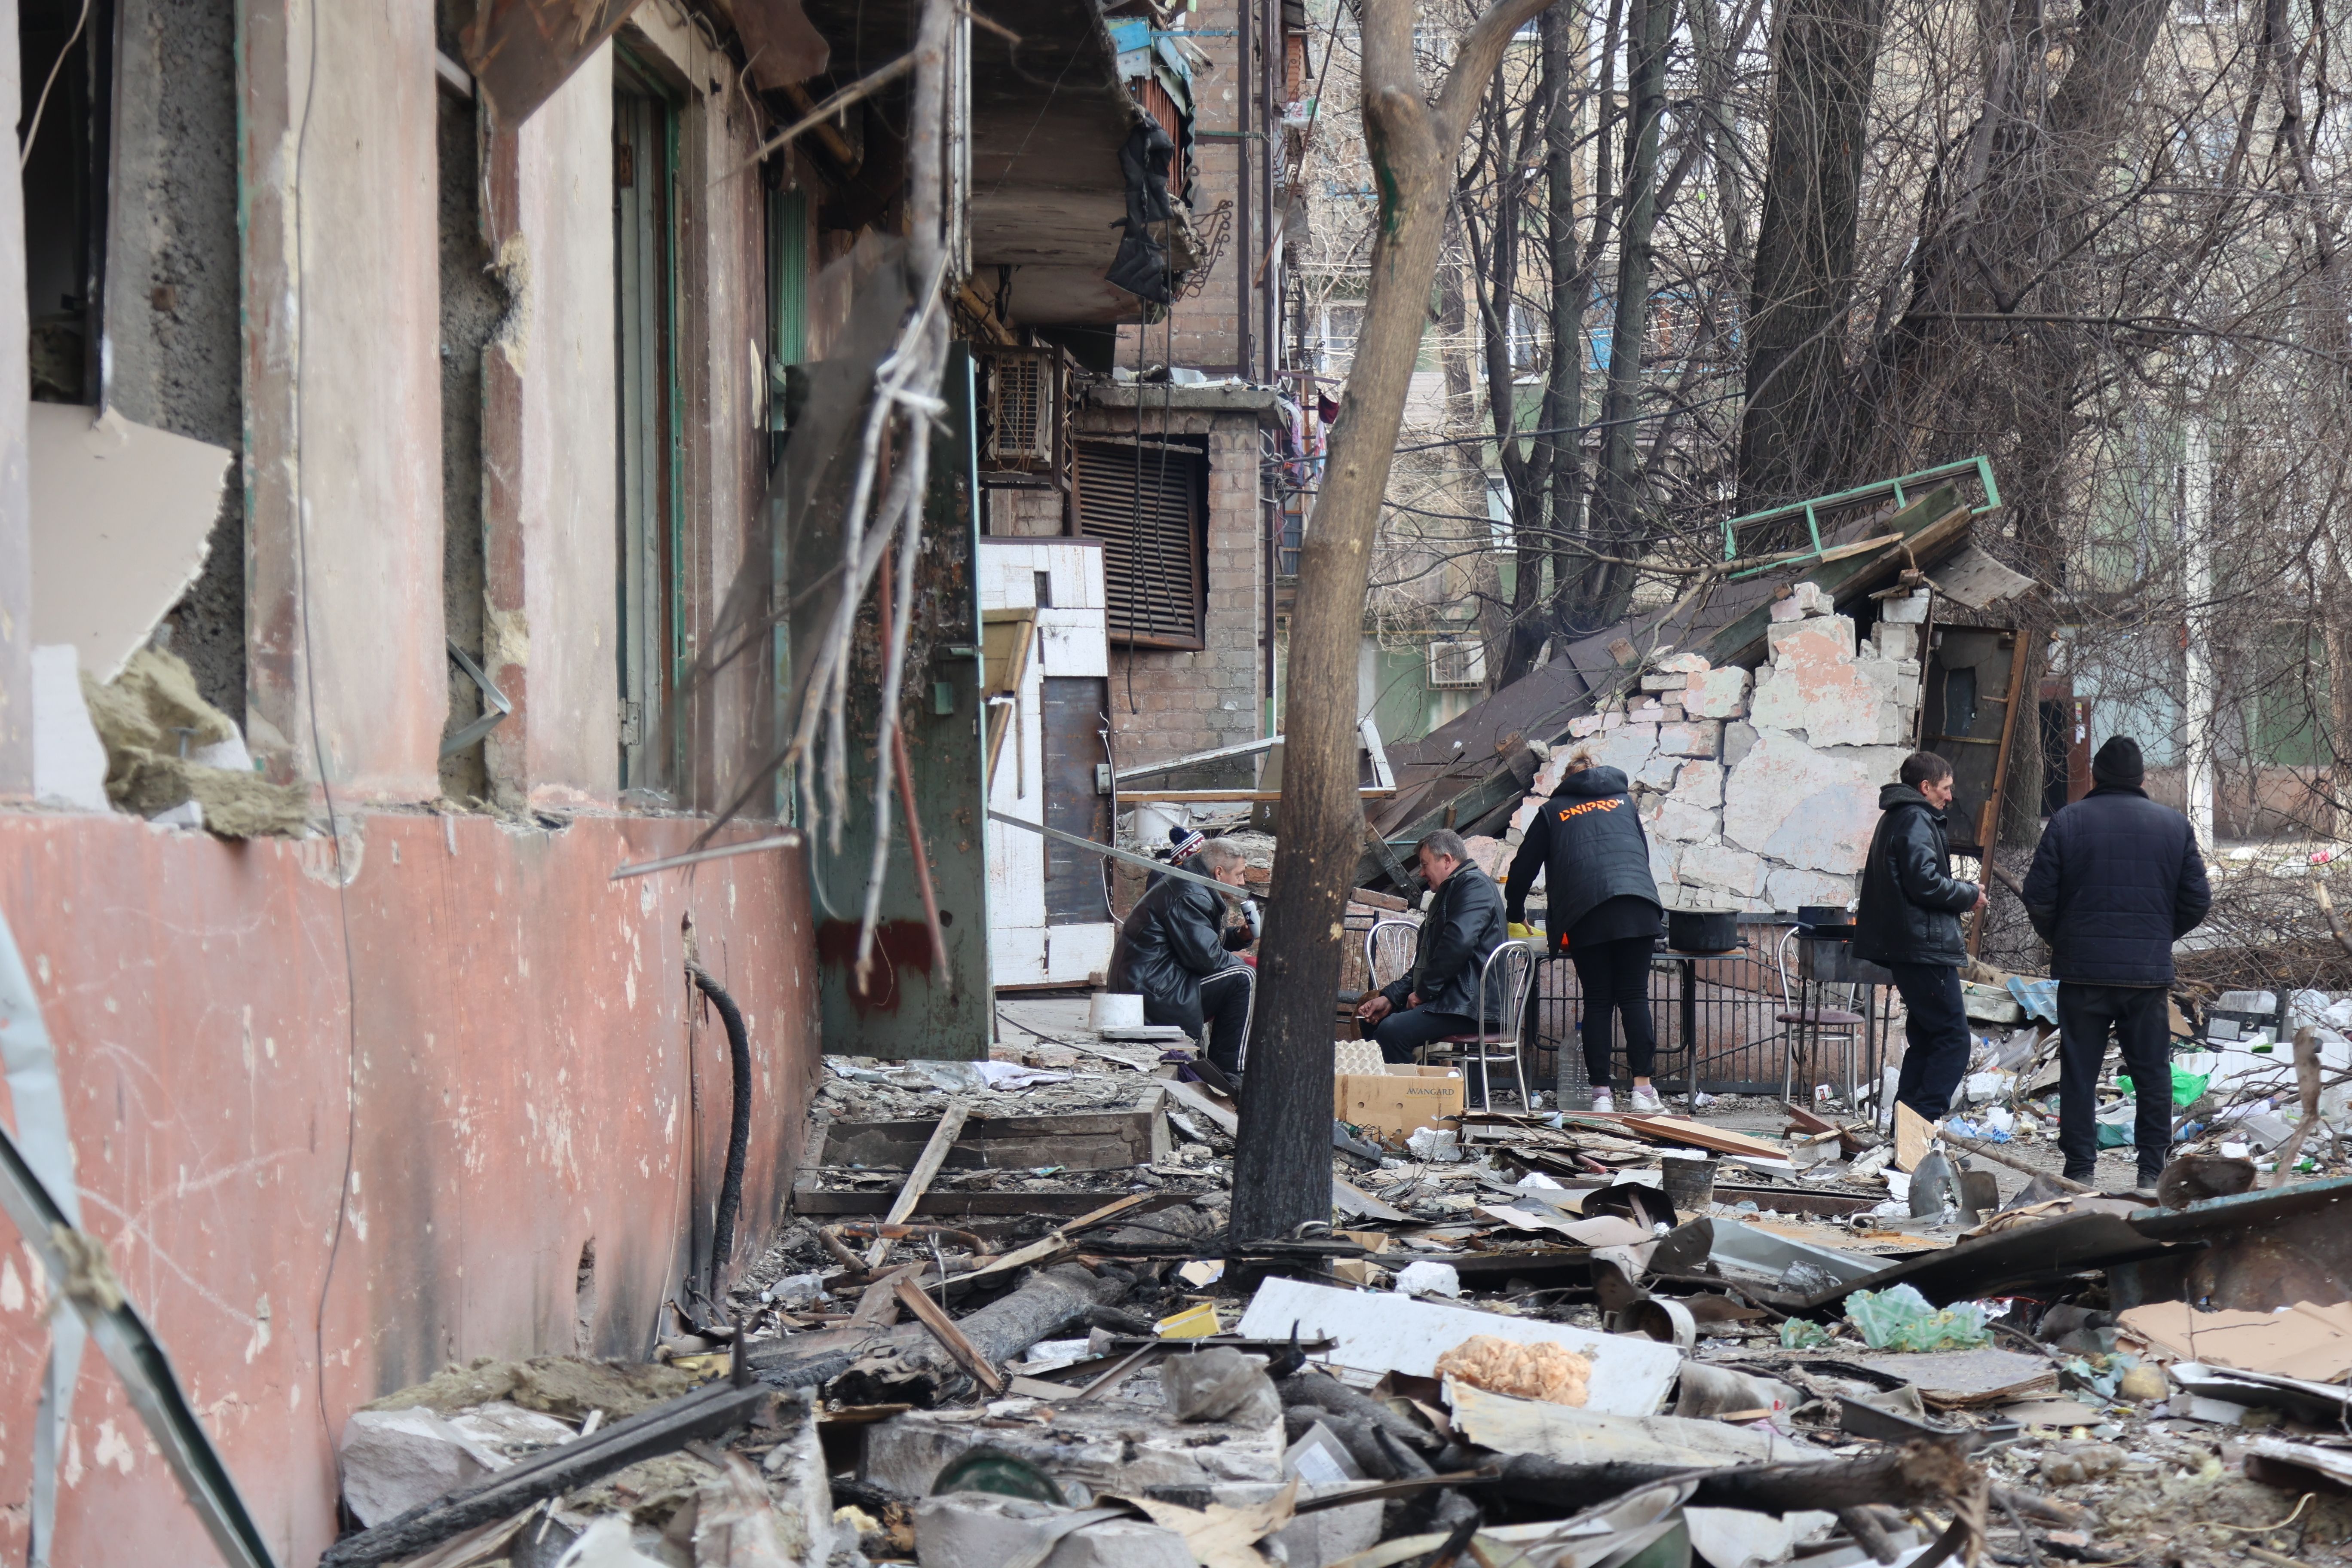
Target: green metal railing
{"x":1895,"y":487}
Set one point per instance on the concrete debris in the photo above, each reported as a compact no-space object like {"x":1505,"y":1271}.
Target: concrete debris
{"x":1060,"y":1357}
{"x":158,"y":731}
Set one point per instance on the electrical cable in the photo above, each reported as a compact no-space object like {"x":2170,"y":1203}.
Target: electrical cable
{"x":318,"y":749}
{"x":33,"y":128}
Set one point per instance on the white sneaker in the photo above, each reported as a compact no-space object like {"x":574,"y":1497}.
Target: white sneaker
{"x":1646,"y":1100}
{"x":1603,"y":1102}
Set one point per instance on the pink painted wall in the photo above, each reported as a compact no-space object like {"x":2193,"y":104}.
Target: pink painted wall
{"x":521,"y":1084}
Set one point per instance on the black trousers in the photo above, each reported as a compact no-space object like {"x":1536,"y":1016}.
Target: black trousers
{"x":1936,"y":1057}
{"x":1407,"y":1030}
{"x":2141,"y":1024}
{"x":1615,"y":979}
{"x":1223,"y":1009}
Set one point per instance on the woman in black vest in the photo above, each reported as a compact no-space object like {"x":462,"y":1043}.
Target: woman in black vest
{"x":1602,"y":911}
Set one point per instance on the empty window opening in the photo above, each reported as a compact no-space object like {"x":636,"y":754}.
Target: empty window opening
{"x":65,"y":66}
{"x":472,"y":305}
{"x":652,"y":517}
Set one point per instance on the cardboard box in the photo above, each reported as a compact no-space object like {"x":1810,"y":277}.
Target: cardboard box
{"x":1397,"y":1101}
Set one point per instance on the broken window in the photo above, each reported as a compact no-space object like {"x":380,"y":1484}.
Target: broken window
{"x":1146,"y":500}
{"x":64,"y":89}
{"x":652,"y":514}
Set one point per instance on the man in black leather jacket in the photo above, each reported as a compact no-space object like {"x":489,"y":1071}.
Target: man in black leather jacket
{"x":2115,"y":881}
{"x":1175,"y":949}
{"x":1908,"y":919}
{"x":1438,"y":996}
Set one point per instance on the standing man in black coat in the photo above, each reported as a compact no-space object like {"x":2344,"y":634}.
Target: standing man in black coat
{"x":1602,"y":909}
{"x":1908,"y":919}
{"x":1438,"y":996}
{"x":2116,"y":882}
{"x":1175,"y":949}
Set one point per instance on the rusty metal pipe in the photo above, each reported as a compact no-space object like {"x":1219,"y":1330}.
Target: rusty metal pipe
{"x":738,"y":1127}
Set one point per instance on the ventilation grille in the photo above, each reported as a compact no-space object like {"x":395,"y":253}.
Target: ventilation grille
{"x":1454,"y":666}
{"x":1144,"y":504}
{"x":1020,"y":408}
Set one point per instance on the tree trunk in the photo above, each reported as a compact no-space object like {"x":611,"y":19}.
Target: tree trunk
{"x":1649,"y":34}
{"x":1826,"y":54}
{"x":1560,"y":453}
{"x":1282,"y":1173}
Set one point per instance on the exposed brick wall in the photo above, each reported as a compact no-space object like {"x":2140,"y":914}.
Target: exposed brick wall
{"x":1022,"y":513}
{"x":1188,"y":702}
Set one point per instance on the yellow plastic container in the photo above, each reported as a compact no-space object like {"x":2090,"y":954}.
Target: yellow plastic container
{"x":1191,"y":1323}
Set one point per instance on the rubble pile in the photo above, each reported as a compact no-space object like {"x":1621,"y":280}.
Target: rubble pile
{"x":1564,"y":1338}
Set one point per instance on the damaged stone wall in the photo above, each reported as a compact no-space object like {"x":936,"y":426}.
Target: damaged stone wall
{"x":531,"y":1101}
{"x":1760,"y":792}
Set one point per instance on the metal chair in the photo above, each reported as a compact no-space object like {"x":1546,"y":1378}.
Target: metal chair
{"x":1816,"y":1024}
{"x":1389,"y":948}
{"x":1505,"y":975}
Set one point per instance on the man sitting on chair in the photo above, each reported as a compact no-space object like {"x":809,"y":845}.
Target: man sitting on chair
{"x":1438,"y":996}
{"x":1176,"y":949}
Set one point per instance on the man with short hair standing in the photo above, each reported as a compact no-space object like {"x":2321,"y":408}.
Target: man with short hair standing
{"x":1908,"y":920}
{"x":1438,"y":997}
{"x":2115,"y":881}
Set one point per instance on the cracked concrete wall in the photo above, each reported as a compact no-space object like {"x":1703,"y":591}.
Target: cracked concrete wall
{"x":171,"y":299}
{"x":1759,"y":793}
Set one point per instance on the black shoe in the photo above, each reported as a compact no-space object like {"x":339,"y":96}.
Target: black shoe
{"x":2088,"y":1175}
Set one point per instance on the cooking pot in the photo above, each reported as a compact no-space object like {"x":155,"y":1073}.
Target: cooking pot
{"x":1702,"y":930}
{"x":1825,"y":923}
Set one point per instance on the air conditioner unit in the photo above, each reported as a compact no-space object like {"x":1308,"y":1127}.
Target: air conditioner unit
{"x":1023,"y":407}
{"x":1454,"y":666}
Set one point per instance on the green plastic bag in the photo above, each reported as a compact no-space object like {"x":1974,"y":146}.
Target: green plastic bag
{"x":1802,"y":1334}
{"x":1899,"y":1319}
{"x":2186,"y":1086}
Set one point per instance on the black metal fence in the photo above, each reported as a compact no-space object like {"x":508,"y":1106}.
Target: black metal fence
{"x":1729,"y":1009}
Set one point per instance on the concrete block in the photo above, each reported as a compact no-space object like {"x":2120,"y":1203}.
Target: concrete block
{"x":395,"y":1459}
{"x":1664,"y":682}
{"x":1673,"y":713}
{"x":1627,"y":747}
{"x":1787,"y":888}
{"x":1812,"y":599}
{"x":1722,"y":866}
{"x":1792,"y":803}
{"x":1646,"y":711}
{"x":1657,"y":772}
{"x":1683,"y":664}
{"x":1786,"y":611}
{"x":1584,"y":725}
{"x":981,"y":1530}
{"x":1908,"y":611}
{"x":1739,"y":740}
{"x":1815,"y":639}
{"x":1717,"y":694}
{"x":1680,"y":822}
{"x":1692,"y":738}
{"x":1699,"y":783}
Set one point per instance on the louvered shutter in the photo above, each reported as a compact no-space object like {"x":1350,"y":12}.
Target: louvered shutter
{"x":1148,"y":515}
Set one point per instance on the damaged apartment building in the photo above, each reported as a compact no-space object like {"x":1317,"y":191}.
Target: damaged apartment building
{"x":399,"y":398}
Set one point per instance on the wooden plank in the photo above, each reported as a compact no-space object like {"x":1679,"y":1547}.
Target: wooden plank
{"x":951,"y":1339}
{"x":877,"y":1305}
{"x":1699,"y":1135}
{"x":943,"y":1137}
{"x":1914,"y":1133}
{"x":1055,"y":1240}
{"x":1079,"y":1140}
{"x":1200,"y":1099}
{"x":1216,"y":796}
{"x":817,"y":1201}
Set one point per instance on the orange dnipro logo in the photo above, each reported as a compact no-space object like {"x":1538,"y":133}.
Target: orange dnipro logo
{"x":1564,"y":813}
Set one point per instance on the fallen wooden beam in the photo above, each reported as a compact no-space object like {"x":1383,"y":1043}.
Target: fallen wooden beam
{"x":935,"y":1154}
{"x":1054,"y":1240}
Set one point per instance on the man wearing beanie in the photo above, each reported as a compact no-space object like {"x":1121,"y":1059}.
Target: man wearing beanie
{"x":2116,"y":882}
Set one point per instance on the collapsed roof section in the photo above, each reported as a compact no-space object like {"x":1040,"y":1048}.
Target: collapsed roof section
{"x":1479,"y":766}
